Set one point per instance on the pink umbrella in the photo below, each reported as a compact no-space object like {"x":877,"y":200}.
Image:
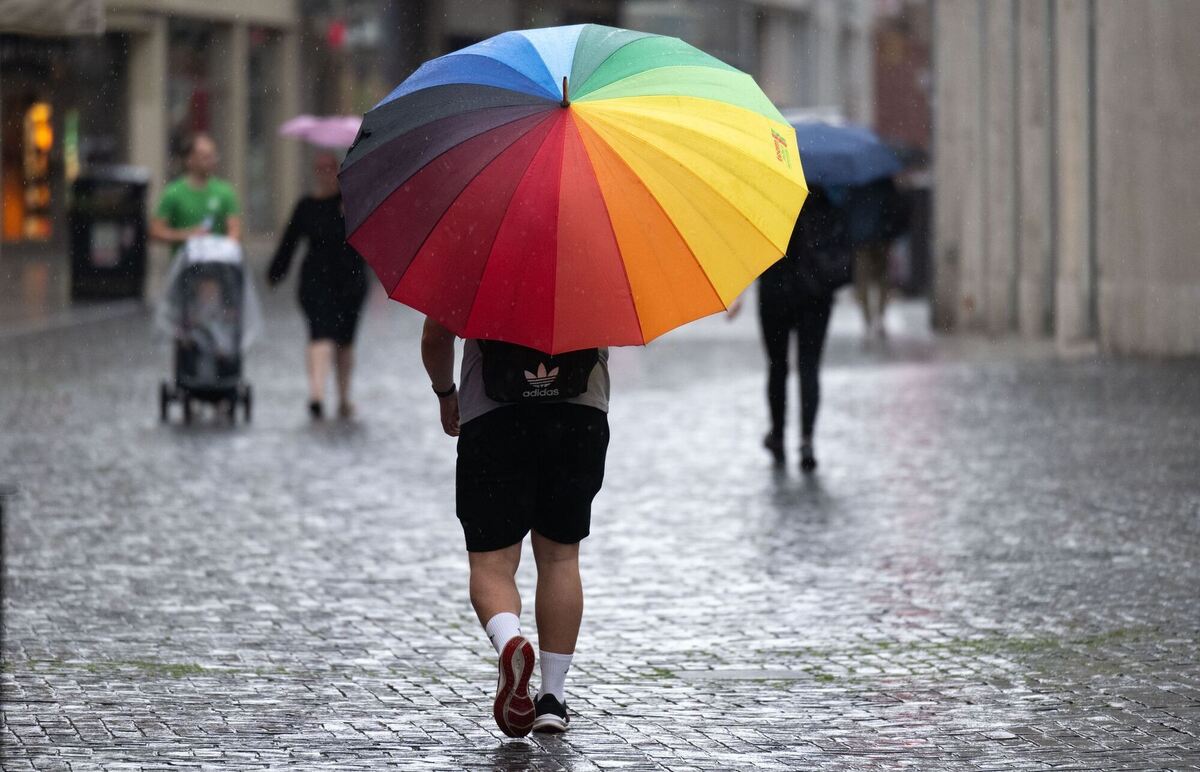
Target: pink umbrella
{"x":335,"y":131}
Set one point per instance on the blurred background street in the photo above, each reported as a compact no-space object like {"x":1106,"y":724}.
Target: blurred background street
{"x":994,"y":567}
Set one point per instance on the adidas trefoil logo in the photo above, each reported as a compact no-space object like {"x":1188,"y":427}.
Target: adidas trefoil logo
{"x":541,"y":379}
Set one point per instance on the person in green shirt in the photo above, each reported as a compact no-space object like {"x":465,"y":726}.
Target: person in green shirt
{"x":197,"y":203}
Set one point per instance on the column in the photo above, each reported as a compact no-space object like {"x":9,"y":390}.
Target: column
{"x":1148,"y":176}
{"x":231,"y":115}
{"x":827,"y":40}
{"x":288,"y":173}
{"x":1000,"y":160}
{"x":1075,"y":281}
{"x":1034,"y":212}
{"x":859,"y":78}
{"x":781,"y":73}
{"x":147,"y":124}
{"x":956,"y":138}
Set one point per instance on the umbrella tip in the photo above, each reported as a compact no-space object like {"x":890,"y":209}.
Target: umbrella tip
{"x":566,"y":94}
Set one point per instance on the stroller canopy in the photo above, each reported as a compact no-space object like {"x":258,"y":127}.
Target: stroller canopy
{"x":217,"y":260}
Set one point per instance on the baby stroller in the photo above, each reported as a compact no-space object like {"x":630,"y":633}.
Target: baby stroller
{"x":211,"y":313}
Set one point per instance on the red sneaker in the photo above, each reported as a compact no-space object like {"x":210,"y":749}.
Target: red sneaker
{"x":513,"y":708}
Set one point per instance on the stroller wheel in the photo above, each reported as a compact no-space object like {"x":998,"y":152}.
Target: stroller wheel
{"x":247,"y":402}
{"x":187,"y":409}
{"x":164,"y":401}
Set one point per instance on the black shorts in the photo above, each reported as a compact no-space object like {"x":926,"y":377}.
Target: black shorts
{"x":523,"y":467}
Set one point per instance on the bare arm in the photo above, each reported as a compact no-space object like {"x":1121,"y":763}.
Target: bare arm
{"x":233,"y":227}
{"x":437,"y":354}
{"x":161,"y":231}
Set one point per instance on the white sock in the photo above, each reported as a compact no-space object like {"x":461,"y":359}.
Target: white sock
{"x":554,"y":673}
{"x":502,"y":628}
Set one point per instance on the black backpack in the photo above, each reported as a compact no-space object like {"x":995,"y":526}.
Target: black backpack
{"x":513,"y":373}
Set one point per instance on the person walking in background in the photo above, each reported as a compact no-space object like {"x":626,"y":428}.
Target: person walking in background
{"x":795,"y":296}
{"x":873,"y":220}
{"x":524,"y":466}
{"x":197,"y":202}
{"x":333,"y":285}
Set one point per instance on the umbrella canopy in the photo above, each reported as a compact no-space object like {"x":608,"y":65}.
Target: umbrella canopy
{"x":572,"y":187}
{"x":335,"y":131}
{"x":843,"y":154}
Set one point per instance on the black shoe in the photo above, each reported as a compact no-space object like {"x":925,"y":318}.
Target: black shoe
{"x":551,"y":715}
{"x":316,"y":410}
{"x":808,"y":462}
{"x":774,"y":444}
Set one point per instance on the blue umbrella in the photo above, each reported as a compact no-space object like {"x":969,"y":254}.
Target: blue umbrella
{"x":847,"y":155}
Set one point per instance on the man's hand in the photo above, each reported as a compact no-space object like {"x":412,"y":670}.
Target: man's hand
{"x":449,"y":407}
{"x":160,"y":231}
{"x":233,"y":227}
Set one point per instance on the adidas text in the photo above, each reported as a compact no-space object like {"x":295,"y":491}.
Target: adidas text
{"x":540,"y":393}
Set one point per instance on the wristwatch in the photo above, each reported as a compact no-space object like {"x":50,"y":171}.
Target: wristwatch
{"x":447,"y":393}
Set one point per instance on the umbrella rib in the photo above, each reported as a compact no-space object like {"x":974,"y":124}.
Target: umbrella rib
{"x":608,"y":218}
{"x":683,"y":125}
{"x":583,"y":87}
{"x":779,"y":119}
{"x":649,"y":147}
{"x":675,"y":227}
{"x":700,"y":180}
{"x":442,"y":216}
{"x":401,"y":183}
{"x":507,"y":206}
{"x":392,"y":97}
{"x":391,"y":106}
{"x":548,"y":94}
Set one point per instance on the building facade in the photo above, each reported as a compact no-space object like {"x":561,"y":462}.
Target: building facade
{"x":357,"y":52}
{"x":160,"y":70}
{"x":1067,"y":172}
{"x":804,"y":53}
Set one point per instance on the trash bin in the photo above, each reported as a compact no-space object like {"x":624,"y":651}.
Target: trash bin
{"x":108,"y":232}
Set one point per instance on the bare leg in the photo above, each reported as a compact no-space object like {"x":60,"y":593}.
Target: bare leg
{"x":344,"y":359}
{"x":864,"y":273}
{"x":882,"y":263}
{"x":494,"y":583}
{"x":319,"y":359}
{"x":559,"y":603}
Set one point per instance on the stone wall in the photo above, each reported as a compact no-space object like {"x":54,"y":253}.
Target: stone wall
{"x":1068,"y":171}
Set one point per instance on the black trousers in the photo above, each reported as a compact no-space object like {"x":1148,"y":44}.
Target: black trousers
{"x":809,"y":323}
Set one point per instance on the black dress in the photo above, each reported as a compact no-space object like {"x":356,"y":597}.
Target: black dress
{"x":333,"y":277}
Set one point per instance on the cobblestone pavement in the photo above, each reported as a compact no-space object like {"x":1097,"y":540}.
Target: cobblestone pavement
{"x":996,"y":567}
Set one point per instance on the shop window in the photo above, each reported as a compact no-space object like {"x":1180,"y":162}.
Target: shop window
{"x":37,"y":143}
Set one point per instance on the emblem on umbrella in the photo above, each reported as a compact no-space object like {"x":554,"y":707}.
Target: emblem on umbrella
{"x":572,"y":187}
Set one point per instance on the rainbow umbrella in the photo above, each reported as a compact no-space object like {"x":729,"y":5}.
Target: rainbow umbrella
{"x":572,"y":187}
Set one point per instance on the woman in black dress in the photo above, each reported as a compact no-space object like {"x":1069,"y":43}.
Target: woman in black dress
{"x":333,"y":285}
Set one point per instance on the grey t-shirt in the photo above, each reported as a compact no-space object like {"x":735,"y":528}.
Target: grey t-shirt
{"x":473,"y":401}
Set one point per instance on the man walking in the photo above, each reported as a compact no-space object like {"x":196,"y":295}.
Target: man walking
{"x":197,"y":202}
{"x":530,"y":459}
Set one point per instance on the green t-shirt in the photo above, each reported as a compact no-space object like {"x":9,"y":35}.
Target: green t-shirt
{"x":183,"y":206}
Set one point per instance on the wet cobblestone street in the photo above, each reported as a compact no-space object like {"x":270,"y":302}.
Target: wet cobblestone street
{"x":997,"y":566}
